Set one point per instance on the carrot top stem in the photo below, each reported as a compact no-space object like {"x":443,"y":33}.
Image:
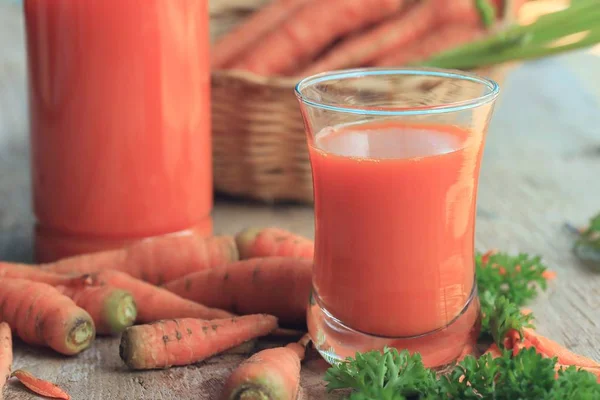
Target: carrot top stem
{"x":487,"y":12}
{"x":120,"y":310}
{"x":81,"y":334}
{"x":521,"y":42}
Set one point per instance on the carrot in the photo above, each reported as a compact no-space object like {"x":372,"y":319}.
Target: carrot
{"x":186,"y":341}
{"x":444,"y":38}
{"x":234,"y":43}
{"x":394,"y":35}
{"x":268,"y":242}
{"x":41,"y":315}
{"x":112,"y":309}
{"x":154,"y":303}
{"x":288,"y":333}
{"x":548,"y":348}
{"x":6,"y":354}
{"x":494,"y":350}
{"x":21,"y":271}
{"x":363,"y":47}
{"x":39,"y":386}
{"x":269,"y":374}
{"x":273,"y":285}
{"x":156,"y":260}
{"x":309,"y":30}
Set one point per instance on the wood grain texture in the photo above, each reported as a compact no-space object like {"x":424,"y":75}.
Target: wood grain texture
{"x":541,"y":168}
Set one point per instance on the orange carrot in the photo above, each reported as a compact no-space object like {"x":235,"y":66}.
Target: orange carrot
{"x":309,"y":30}
{"x":39,"y":386}
{"x":549,"y":275}
{"x":6,"y":354}
{"x":112,"y":309}
{"x":547,"y":348}
{"x":189,"y":340}
{"x":494,"y":350}
{"x":156,"y":260}
{"x":403,"y":31}
{"x":273,"y":285}
{"x":269,"y":374}
{"x":21,"y":271}
{"x":154,"y":303}
{"x":41,"y":315}
{"x":268,"y":242}
{"x":234,"y":43}
{"x":444,"y":38}
{"x":363,"y":47}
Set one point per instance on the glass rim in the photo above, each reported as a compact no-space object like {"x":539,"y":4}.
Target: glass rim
{"x":444,"y":107}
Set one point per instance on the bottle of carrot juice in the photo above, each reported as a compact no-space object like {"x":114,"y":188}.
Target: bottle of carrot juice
{"x":119,"y":121}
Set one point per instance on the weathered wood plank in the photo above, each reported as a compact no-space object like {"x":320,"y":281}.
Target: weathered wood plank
{"x":540,"y":169}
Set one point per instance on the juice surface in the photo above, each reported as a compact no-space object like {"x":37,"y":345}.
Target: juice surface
{"x":395,"y":209}
{"x":120,"y":130}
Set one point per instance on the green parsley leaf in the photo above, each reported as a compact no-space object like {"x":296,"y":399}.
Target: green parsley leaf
{"x":504,"y":317}
{"x":399,"y":376}
{"x":387,"y":375}
{"x":517,"y":279}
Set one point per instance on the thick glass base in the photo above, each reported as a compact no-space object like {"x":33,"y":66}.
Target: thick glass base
{"x":51,"y":245}
{"x":336,"y":341}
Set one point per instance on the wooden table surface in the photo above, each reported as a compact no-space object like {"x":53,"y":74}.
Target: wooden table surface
{"x":541,"y":168}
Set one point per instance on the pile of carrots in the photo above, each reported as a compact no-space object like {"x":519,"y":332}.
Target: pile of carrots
{"x":304,"y":37}
{"x":175,"y":300}
{"x":191,"y":298}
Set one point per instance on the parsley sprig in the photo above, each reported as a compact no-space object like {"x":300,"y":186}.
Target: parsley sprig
{"x":393,"y":375}
{"x":387,"y":376}
{"x":505,"y":283}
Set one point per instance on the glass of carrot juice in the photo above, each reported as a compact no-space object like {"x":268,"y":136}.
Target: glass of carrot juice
{"x":395,"y":156}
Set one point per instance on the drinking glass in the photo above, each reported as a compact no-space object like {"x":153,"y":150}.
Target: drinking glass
{"x":395,"y":157}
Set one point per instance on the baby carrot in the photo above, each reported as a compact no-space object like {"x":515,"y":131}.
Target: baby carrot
{"x":41,"y":315}
{"x":268,"y":242}
{"x":154,"y":303}
{"x":164,"y":344}
{"x":112,"y":309}
{"x":39,"y":386}
{"x":278,"y":286}
{"x":269,"y":374}
{"x":156,"y":260}
{"x":6,"y":354}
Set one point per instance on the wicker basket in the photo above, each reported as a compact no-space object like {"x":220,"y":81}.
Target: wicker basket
{"x":259,"y":145}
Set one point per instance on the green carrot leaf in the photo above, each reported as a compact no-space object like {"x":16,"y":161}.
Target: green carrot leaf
{"x":526,"y":42}
{"x":486,"y":11}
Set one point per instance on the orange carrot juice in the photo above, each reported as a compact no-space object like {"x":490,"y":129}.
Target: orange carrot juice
{"x":120,"y":121}
{"x":394,"y":210}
